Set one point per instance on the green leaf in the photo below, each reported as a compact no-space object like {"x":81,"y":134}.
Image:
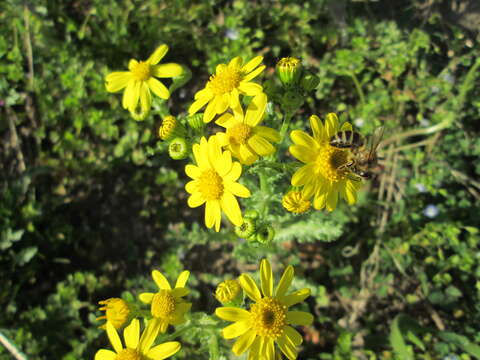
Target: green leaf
{"x":461,"y":341}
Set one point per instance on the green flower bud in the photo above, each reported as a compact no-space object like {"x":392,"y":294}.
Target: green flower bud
{"x":251,"y":214}
{"x":247,"y":229}
{"x":196,"y":122}
{"x":171,"y":128}
{"x":265,"y":234}
{"x":289,"y":70}
{"x":309,"y":82}
{"x":178,"y":148}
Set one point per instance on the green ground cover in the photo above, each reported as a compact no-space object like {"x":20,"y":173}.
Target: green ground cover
{"x":91,"y":203}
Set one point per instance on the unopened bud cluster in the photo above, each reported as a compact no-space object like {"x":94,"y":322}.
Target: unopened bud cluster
{"x":254,"y":230}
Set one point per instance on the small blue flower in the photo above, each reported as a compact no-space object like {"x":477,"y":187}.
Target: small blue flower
{"x":420,"y":187}
{"x":231,"y":34}
{"x":431,"y":211}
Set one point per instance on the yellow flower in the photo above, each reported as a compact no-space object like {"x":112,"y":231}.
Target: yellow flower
{"x":214,"y":183}
{"x":244,"y":137}
{"x":116,"y":310}
{"x":324,"y":175}
{"x":227,"y":291}
{"x":294,"y":202}
{"x":223,"y":89}
{"x":141,"y":79}
{"x":136,"y":347}
{"x":167,"y":305}
{"x":268,"y":320}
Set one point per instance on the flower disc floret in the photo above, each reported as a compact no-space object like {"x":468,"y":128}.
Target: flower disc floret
{"x":268,"y":317}
{"x":225,"y":80}
{"x":295,"y":202}
{"x":117,"y":312}
{"x":141,"y":71}
{"x":129,"y":354}
{"x":211,"y":185}
{"x":163,"y":304}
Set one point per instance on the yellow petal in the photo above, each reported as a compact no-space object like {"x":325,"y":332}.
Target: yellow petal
{"x":222,"y":103}
{"x":164,"y":350}
{"x":236,"y":62}
{"x":332,"y":199}
{"x":266,"y":278}
{"x":232,"y":313}
{"x":252,"y":64}
{"x":293,"y":335}
{"x":268,"y":133}
{"x":202,"y":162}
{"x":212,"y":213}
{"x":113,"y":337}
{"x":182,"y":279}
{"x":254,"y":353}
{"x":145,"y":97}
{"x":158,"y":54}
{"x":244,"y":342}
{"x":250,"y":88}
{"x":303,"y":175}
{"x":287,"y":348}
{"x":247,"y":155}
{"x":231,"y":208}
{"x":128,"y":95}
{"x":146,"y":298}
{"x":234,"y":98}
{"x":303,"y":153}
{"x":225,"y":120}
{"x":269,"y":349}
{"x":158,"y":88}
{"x":160,"y":280}
{"x":223,"y":164}
{"x":116,"y":81}
{"x":319,"y":201}
{"x":237,"y":189}
{"x":234,"y":173}
{"x":192,"y":171}
{"x":249,"y":286}
{"x":299,"y":318}
{"x":149,"y":335}
{"x":261,"y":145}
{"x":256,"y":110}
{"x":317,"y":128}
{"x":131,"y":334}
{"x":196,"y":200}
{"x":210,"y":110}
{"x":198,"y":104}
{"x":331,"y":124}
{"x":167,"y":70}
{"x":285,"y":281}
{"x":205,"y":92}
{"x":192,"y":186}
{"x":179,"y":292}
{"x":105,"y":355}
{"x":303,"y":139}
{"x":132,"y":64}
{"x":295,"y":298}
{"x":254,"y":73}
{"x":236,"y":329}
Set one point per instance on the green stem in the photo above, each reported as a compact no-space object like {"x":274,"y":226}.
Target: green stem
{"x":361,"y":95}
{"x":285,"y":125}
{"x":265,"y":192}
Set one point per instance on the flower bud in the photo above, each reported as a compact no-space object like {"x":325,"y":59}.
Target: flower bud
{"x":289,"y":70}
{"x":178,"y":148}
{"x":117,"y":312}
{"x":251,"y":214}
{"x":265,"y":234}
{"x":309,"y":82}
{"x":196,"y":122}
{"x":229,"y":291}
{"x":294,"y":202}
{"x":171,"y":128}
{"x":291,"y":101}
{"x":247,"y":229}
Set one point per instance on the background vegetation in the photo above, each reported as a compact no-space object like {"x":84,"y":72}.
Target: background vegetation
{"x":89,"y":204}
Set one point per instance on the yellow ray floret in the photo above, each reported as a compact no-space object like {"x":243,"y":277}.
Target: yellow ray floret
{"x":244,"y":137}
{"x":268,"y":321}
{"x":225,"y":86}
{"x":167,"y":305}
{"x":324,"y":175}
{"x":141,"y":80}
{"x":136,"y":347}
{"x":215,"y":183}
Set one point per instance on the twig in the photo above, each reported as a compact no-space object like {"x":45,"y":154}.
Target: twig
{"x":10,"y":346}
{"x":14,"y":139}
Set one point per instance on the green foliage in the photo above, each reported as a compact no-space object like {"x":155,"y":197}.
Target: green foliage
{"x":90,"y":202}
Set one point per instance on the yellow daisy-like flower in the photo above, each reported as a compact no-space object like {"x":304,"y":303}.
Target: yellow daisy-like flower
{"x":116,"y":310}
{"x":294,"y":202}
{"x":141,"y":80}
{"x":136,"y":347}
{"x":268,"y":321}
{"x":224,"y":88}
{"x":214,"y":183}
{"x":167,"y":305}
{"x":245,"y":138}
{"x":324,"y":174}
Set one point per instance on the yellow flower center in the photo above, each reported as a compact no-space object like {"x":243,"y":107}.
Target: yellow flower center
{"x":295,"y":202}
{"x":129,"y":354}
{"x":329,"y":160}
{"x":225,"y":81}
{"x":211,"y":185}
{"x":116,"y":311}
{"x":227,"y":291}
{"x":141,"y":71}
{"x":239,"y":133}
{"x":163,"y":304}
{"x":288,"y":63}
{"x":268,"y":317}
